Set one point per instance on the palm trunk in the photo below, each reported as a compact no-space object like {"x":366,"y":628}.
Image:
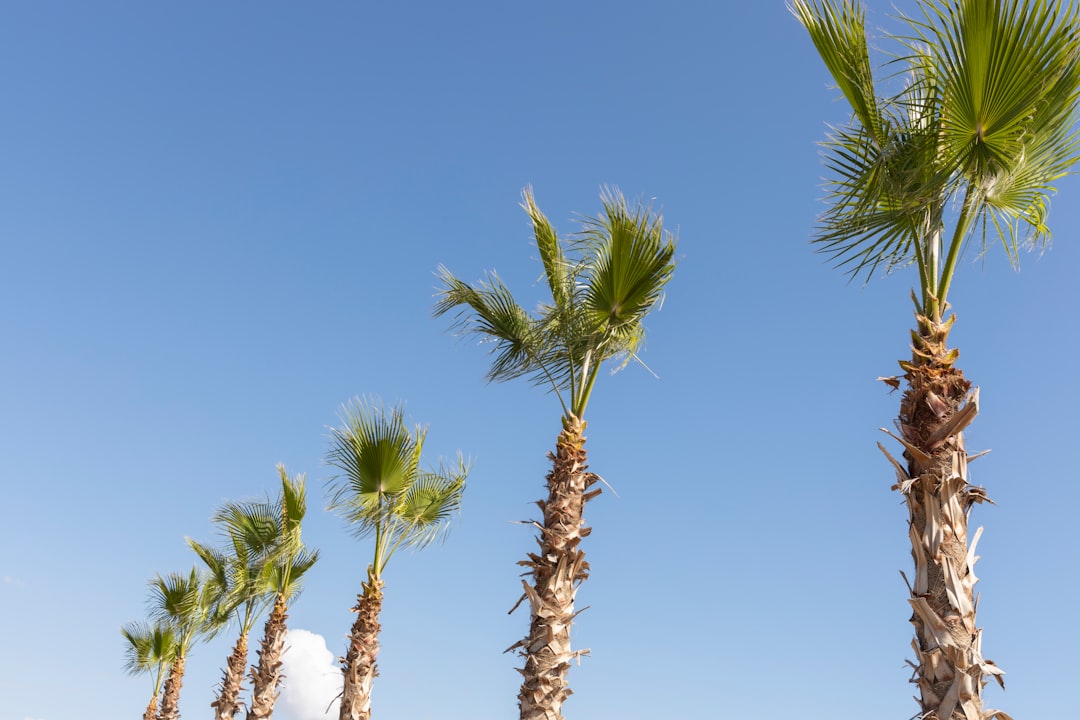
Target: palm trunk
{"x":170,"y":696}
{"x":267,"y":675}
{"x":937,"y":406}
{"x":557,"y":571}
{"x":228,"y":701}
{"x":359,"y":668}
{"x":151,"y":709}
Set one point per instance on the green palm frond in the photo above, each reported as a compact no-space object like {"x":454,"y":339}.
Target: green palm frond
{"x":602,"y":282}
{"x":631,"y":260}
{"x":376,"y":455}
{"x":184,"y":602}
{"x":557,"y":270}
{"x":411,"y":510}
{"x":497,"y":318}
{"x":838,"y":31}
{"x":150,"y":647}
{"x":983,"y":127}
{"x":429,"y":505}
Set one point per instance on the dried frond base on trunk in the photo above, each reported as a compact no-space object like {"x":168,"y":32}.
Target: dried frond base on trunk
{"x":557,"y":571}
{"x":228,"y":701}
{"x":359,"y":661}
{"x":937,"y":406}
{"x":266,"y":676}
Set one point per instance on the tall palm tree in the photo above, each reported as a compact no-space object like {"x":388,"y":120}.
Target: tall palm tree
{"x":181,"y":602}
{"x":268,"y":534}
{"x":603,"y":283}
{"x":383,"y":492}
{"x":242,"y":593}
{"x":151,"y":648}
{"x":966,"y":150}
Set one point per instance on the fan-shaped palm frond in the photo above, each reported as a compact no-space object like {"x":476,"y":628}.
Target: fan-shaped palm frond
{"x":985,"y":123}
{"x":150,"y":648}
{"x":379,"y":488}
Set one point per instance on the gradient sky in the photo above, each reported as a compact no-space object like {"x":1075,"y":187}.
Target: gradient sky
{"x":220,"y":221}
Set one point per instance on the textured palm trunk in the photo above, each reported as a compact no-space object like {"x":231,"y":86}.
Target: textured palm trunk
{"x":937,"y":406}
{"x":267,"y":675}
{"x":228,"y":701}
{"x":170,"y":696}
{"x":557,"y":571}
{"x":151,"y":709}
{"x":359,"y":664}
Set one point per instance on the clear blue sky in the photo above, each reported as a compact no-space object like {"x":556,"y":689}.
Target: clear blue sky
{"x":219,"y":221}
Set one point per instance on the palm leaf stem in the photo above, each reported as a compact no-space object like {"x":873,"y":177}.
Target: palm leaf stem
{"x":962,"y":226}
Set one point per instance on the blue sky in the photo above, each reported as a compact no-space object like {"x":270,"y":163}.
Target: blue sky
{"x":220,"y":221}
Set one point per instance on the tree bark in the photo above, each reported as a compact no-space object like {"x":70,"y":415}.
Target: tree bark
{"x":151,"y":709}
{"x":266,"y":677}
{"x":937,"y":406}
{"x":170,"y":696}
{"x":359,"y":666}
{"x":228,"y":701}
{"x":557,"y":571}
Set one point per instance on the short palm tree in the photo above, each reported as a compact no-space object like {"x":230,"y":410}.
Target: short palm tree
{"x":603,"y":283}
{"x":182,"y":603}
{"x":241,"y":579}
{"x":267,"y":536}
{"x":967,"y":149}
{"x":383,"y":492}
{"x":151,"y":648}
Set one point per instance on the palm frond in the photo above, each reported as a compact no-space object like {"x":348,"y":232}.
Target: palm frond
{"x":557,"y":270}
{"x":988,"y":115}
{"x":490,"y":311}
{"x":838,"y":31}
{"x":376,"y":455}
{"x":412,"y":515}
{"x":631,"y":261}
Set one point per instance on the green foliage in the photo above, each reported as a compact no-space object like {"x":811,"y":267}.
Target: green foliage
{"x":603,"y":283}
{"x":983,"y":126}
{"x":150,"y":648}
{"x":380,"y":488}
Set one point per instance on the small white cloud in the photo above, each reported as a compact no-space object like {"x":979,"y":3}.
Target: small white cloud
{"x":15,"y":582}
{"x":312,"y":679}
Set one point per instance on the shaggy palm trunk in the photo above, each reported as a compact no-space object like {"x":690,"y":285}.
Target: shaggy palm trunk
{"x":937,"y":405}
{"x":228,"y":702}
{"x":557,"y":571}
{"x":151,"y":709}
{"x":267,"y":675}
{"x":359,"y":663}
{"x":170,"y":696}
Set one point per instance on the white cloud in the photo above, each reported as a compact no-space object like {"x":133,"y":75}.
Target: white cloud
{"x":312,"y":679}
{"x":8,"y":580}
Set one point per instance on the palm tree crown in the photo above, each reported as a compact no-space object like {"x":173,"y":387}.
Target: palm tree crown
{"x":603,"y":283}
{"x":982,"y":128}
{"x":381,"y":490}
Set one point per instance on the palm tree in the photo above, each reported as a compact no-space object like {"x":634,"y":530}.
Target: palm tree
{"x":603,"y":283}
{"x":151,"y":648}
{"x":968,"y":148}
{"x":242,"y":592}
{"x":383,"y":493}
{"x":182,"y":603}
{"x":267,"y":536}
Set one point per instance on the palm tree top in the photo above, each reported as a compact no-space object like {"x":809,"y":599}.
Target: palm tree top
{"x":380,"y":487}
{"x":983,"y":126}
{"x":603,"y":282}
